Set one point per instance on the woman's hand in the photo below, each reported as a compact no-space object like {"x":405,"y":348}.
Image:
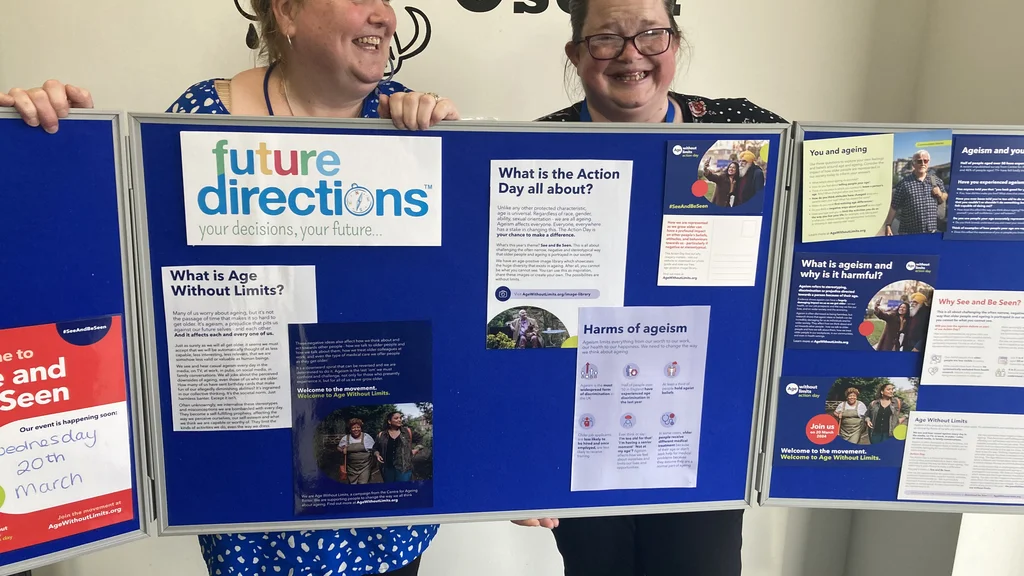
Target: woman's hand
{"x":380,"y":458}
{"x":416,"y":110}
{"x":535,"y":522}
{"x":45,"y":105}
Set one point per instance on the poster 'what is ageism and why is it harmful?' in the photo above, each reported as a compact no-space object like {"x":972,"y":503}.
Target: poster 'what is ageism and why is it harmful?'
{"x":558,"y":235}
{"x":272,"y":189}
{"x":64,"y":431}
{"x":876,"y":185}
{"x":363,"y":416}
{"x":878,"y":302}
{"x":639,"y":392}
{"x":227,"y":341}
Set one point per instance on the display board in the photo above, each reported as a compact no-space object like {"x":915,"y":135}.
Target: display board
{"x":302,"y":274}
{"x":897,"y":369}
{"x":74,"y":477}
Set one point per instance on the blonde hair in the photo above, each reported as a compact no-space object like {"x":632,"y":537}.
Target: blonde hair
{"x":272,"y":42}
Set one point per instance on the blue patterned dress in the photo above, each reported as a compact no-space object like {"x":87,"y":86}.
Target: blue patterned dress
{"x":352,"y":552}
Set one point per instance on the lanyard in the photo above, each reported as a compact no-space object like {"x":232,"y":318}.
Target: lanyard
{"x":670,"y":116}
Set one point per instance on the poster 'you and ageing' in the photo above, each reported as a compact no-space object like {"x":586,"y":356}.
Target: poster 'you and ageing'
{"x":65,"y":455}
{"x":246,"y":189}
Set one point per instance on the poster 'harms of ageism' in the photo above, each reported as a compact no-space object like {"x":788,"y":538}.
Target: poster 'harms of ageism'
{"x":558,"y":235}
{"x":248,"y":189}
{"x":64,"y":431}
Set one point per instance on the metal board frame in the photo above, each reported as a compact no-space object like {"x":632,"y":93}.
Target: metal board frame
{"x":782,"y":298}
{"x":144,"y":504}
{"x":149,"y":352}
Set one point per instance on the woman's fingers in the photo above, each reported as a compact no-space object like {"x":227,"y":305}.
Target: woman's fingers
{"x":79,"y":97}
{"x":416,"y":111}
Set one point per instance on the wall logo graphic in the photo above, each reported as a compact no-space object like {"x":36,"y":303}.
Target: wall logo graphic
{"x":527,"y":6}
{"x":398,"y":53}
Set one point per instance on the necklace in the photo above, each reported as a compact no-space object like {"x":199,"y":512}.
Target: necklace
{"x":287,"y":99}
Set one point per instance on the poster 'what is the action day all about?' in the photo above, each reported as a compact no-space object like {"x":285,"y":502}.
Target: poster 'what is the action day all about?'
{"x":64,"y":431}
{"x":713,"y":204}
{"x":557,"y":242}
{"x":362,"y":416}
{"x":876,"y":185}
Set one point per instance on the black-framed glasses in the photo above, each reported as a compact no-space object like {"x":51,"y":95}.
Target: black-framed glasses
{"x":610,"y":46}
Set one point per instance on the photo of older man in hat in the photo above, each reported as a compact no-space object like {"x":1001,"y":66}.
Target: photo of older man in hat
{"x":751,"y":178}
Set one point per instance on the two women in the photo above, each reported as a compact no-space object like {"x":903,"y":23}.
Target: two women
{"x":330,"y":57}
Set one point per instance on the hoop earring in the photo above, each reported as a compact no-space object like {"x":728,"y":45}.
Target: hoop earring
{"x":390,"y":74}
{"x":290,"y":45}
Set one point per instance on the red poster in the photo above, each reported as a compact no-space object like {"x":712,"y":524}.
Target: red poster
{"x":65,"y":456}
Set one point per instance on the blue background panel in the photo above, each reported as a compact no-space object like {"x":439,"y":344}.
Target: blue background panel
{"x":503,"y":420}
{"x":61,"y":253}
{"x":963,"y":265}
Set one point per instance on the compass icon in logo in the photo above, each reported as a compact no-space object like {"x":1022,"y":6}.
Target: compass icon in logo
{"x":359,"y":200}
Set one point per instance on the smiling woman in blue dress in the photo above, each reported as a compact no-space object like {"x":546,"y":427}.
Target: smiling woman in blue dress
{"x":326,"y":58}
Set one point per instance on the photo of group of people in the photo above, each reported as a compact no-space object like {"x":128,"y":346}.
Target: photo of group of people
{"x":920,"y":184}
{"x":526,"y":327}
{"x":872,"y":410}
{"x":385,"y":443}
{"x":734,"y":170}
{"x":896,"y":318}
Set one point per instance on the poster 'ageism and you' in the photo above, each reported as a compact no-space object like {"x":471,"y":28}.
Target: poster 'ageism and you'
{"x":362,"y":416}
{"x":64,"y":431}
{"x":558,"y":235}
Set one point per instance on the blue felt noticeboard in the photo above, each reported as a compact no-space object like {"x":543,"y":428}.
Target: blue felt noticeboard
{"x":501,"y":441}
{"x":952,"y":264}
{"x":64,"y":258}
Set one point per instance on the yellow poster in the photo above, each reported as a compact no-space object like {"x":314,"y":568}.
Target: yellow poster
{"x":847,"y":187}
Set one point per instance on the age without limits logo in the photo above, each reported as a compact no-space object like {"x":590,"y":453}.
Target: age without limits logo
{"x":270,"y":189}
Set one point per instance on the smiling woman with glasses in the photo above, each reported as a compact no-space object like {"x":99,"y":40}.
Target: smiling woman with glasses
{"x":625,"y":54}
